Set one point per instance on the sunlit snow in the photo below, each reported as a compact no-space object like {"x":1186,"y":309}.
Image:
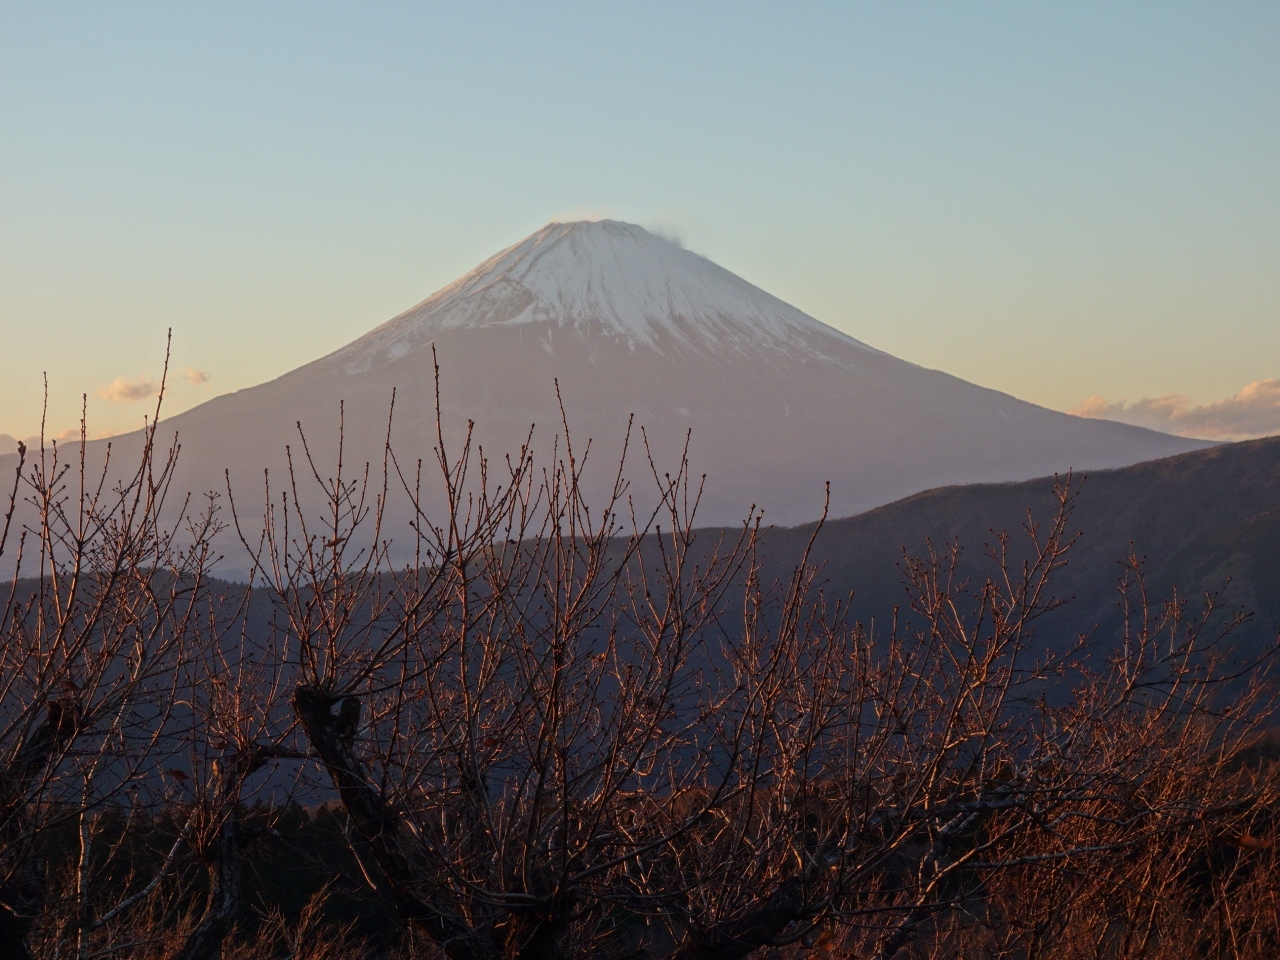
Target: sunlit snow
{"x":612,"y":278}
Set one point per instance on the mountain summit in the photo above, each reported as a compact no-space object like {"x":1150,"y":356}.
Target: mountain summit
{"x":776,"y":403}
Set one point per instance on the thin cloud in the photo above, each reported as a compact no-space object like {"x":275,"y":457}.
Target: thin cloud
{"x":194,"y":376}
{"x":1253,"y":412}
{"x":668,"y":233}
{"x":669,"y":225}
{"x":124,"y":390}
{"x":73,"y":434}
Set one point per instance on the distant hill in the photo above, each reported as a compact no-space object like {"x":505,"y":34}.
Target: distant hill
{"x":1200,"y":519}
{"x":1205,"y":522}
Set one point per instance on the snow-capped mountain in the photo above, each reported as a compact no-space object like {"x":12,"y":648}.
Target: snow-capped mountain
{"x":629,"y":323}
{"x":608,"y":279}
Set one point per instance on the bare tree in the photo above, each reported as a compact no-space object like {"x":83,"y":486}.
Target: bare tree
{"x":88,"y":643}
{"x":568,"y":730}
{"x":978,"y":783}
{"x":555,"y":736}
{"x":488,"y":713}
{"x":123,"y":701}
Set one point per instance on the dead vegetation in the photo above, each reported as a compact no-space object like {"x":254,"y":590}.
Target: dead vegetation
{"x":573,"y":730}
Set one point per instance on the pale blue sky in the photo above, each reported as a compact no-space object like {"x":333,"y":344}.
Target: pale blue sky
{"x":1055,"y":200}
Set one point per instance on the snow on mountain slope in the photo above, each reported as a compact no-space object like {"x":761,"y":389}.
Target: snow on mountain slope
{"x":605,"y":278}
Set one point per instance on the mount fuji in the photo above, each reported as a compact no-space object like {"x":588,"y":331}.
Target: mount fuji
{"x":776,"y":402}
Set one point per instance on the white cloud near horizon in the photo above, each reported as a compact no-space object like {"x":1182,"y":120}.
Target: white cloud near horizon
{"x":195,"y":377}
{"x":125,"y":390}
{"x":1253,"y":412}
{"x":73,"y":434}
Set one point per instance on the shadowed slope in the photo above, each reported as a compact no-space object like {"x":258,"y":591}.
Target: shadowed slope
{"x":1199,"y":520}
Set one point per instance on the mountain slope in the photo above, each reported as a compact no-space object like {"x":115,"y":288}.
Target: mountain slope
{"x":628,"y":323}
{"x":1204,"y":522}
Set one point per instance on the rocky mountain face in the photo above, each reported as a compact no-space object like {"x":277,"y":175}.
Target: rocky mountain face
{"x":773,"y":402}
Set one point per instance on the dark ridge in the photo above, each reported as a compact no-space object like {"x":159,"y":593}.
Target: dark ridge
{"x":1204,"y":521}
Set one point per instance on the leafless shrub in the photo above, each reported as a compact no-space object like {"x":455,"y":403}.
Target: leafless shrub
{"x":119,"y":705}
{"x":556,"y":735}
{"x":575,"y":731}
